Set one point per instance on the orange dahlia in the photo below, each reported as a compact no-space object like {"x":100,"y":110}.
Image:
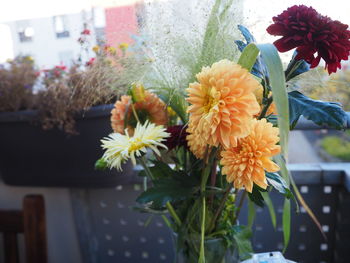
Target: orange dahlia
{"x":196,"y":141}
{"x":246,"y":163}
{"x":222,"y":104}
{"x":150,"y":108}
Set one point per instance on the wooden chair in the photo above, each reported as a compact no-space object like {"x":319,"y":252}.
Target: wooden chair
{"x":31,"y":222}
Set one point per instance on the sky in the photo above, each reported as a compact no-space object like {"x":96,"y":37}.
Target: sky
{"x":258,"y":13}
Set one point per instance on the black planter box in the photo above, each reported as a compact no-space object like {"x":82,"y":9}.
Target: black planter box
{"x":30,"y":156}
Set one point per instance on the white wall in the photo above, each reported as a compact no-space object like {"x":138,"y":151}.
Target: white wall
{"x":63,"y":246}
{"x":45,"y":46}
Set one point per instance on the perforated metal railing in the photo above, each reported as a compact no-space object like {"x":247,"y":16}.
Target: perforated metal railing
{"x":110,"y":232}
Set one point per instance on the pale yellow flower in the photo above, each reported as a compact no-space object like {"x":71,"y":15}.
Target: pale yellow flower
{"x":246,"y":163}
{"x":119,"y":148}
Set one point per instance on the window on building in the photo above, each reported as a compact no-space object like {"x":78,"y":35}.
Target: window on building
{"x":60,"y":26}
{"x":25,"y":31}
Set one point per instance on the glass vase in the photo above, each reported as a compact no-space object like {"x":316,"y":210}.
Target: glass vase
{"x":187,"y":250}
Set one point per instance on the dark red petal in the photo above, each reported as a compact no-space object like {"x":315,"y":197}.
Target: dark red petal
{"x":277,"y":30}
{"x":282,"y":45}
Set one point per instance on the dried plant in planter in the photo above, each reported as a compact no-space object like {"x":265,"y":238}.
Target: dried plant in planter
{"x":68,"y":93}
{"x":61,"y":94}
{"x":17,"y":79}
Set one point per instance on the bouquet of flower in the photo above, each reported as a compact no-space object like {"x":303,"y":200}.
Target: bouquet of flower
{"x":223,"y":137}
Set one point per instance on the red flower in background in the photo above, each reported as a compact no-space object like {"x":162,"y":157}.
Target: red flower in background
{"x":303,"y":28}
{"x":86,"y":32}
{"x":177,"y":137}
{"x":90,"y":62}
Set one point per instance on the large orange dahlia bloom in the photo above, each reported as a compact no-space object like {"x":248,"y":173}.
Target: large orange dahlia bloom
{"x":246,"y":163}
{"x":222,"y":105}
{"x":150,"y":108}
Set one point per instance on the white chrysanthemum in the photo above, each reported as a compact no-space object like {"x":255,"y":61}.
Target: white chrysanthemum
{"x":119,"y":148}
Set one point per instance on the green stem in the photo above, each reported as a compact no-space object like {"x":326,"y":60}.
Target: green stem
{"x":144,"y":165}
{"x":135,"y":113}
{"x":202,"y":249}
{"x":266,"y":107}
{"x":168,"y":205}
{"x":240,"y":206}
{"x":167,"y":222}
{"x":173,"y":213}
{"x":221,"y":207}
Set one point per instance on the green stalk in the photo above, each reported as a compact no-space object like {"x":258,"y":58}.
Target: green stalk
{"x":170,"y":208}
{"x":144,"y":165}
{"x":135,"y":113}
{"x":202,"y":250}
{"x":173,"y":213}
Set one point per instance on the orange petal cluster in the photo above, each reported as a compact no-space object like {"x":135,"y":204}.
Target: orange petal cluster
{"x":222,"y":106}
{"x":155,"y":108}
{"x":246,"y":163}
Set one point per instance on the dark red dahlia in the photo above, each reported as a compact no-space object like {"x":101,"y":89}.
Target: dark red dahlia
{"x":301,"y":27}
{"x":177,"y":137}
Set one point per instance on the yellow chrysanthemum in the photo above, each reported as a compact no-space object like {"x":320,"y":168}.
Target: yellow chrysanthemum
{"x":222,"y":104}
{"x":246,"y":163}
{"x":120,"y":148}
{"x":151,"y":108}
{"x":259,"y":97}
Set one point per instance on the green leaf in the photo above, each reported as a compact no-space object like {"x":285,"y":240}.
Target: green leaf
{"x":278,"y":86}
{"x":269,"y":205}
{"x":176,"y":100}
{"x":174,"y":188}
{"x":284,"y":171}
{"x":286,"y":223}
{"x":248,"y":57}
{"x":277,"y":182}
{"x":256,"y":197}
{"x":320,"y":112}
{"x":296,"y":67}
{"x":241,"y":236}
{"x":259,"y":68}
{"x":149,"y":210}
{"x":251,"y":213}
{"x":161,"y":170}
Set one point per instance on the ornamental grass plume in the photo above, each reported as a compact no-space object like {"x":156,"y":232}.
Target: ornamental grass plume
{"x":222,"y":105}
{"x":303,"y":28}
{"x":149,"y":108}
{"x":120,"y":148}
{"x":246,"y":163}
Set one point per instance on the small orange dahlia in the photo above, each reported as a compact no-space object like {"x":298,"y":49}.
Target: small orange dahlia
{"x":222,"y":104}
{"x":246,"y":163}
{"x":151,"y":108}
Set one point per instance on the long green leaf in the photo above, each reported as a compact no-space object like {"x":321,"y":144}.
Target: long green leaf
{"x":278,"y":86}
{"x":269,"y":204}
{"x":248,"y":56}
{"x":307,"y":208}
{"x":286,"y":223}
{"x":251,"y":213}
{"x":284,"y":171}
